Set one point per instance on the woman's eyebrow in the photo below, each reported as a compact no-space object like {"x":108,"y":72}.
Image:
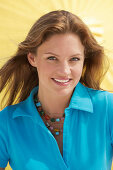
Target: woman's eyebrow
{"x":52,"y":53}
{"x":59,"y":56}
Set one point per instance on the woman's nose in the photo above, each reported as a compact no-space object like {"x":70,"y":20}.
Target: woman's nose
{"x":64,"y":68}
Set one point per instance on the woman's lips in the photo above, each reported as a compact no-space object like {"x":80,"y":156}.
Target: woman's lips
{"x":62,"y":82}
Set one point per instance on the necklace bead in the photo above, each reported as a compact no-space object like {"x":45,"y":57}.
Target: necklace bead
{"x":48,"y":125}
{"x":46,"y":117}
{"x":57,"y":133}
{"x":57,"y":120}
{"x":41,"y":112}
{"x":52,"y":119}
{"x":51,"y":127}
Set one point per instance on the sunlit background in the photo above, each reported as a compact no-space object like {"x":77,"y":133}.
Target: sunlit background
{"x":16,"y":18}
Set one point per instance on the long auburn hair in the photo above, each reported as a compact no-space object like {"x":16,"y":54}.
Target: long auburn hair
{"x":21,"y":77}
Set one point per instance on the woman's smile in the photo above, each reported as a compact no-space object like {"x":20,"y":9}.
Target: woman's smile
{"x":62,"y":82}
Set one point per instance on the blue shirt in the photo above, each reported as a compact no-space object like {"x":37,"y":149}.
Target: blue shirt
{"x":28,"y":144}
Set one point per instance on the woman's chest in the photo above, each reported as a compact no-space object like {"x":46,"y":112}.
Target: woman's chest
{"x":59,"y":140}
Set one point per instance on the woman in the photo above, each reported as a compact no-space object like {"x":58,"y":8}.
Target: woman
{"x":57,"y":116}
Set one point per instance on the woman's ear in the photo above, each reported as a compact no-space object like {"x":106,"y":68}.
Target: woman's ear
{"x":31,"y":59}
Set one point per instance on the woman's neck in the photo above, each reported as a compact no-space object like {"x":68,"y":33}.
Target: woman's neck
{"x":53,"y":105}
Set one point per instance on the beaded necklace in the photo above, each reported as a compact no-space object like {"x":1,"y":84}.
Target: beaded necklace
{"x":55,"y":131}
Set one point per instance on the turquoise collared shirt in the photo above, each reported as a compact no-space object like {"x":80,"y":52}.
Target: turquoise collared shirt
{"x":27,"y":143}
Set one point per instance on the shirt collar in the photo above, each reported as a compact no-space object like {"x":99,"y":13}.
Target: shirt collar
{"x":26,"y":107}
{"x":80,"y":100}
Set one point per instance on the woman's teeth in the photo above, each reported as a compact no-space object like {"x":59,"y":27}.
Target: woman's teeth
{"x":61,"y":81}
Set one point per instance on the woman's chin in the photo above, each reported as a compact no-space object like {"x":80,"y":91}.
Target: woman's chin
{"x":64,"y":91}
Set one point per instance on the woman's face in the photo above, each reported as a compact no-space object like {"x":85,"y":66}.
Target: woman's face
{"x":59,"y":62}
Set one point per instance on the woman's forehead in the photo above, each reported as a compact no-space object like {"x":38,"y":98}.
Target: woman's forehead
{"x":58,"y":42}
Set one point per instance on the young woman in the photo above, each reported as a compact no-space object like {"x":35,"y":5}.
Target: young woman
{"x":56,"y":116}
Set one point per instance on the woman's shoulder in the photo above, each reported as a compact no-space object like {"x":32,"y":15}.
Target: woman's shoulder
{"x":100,"y":92}
{"x":100,"y":95}
{"x":8,"y":111}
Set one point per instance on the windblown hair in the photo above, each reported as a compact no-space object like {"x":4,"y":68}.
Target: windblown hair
{"x":21,"y":77}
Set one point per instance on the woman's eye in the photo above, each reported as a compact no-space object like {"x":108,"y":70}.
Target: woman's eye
{"x":74,"y":59}
{"x":51,"y":58}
